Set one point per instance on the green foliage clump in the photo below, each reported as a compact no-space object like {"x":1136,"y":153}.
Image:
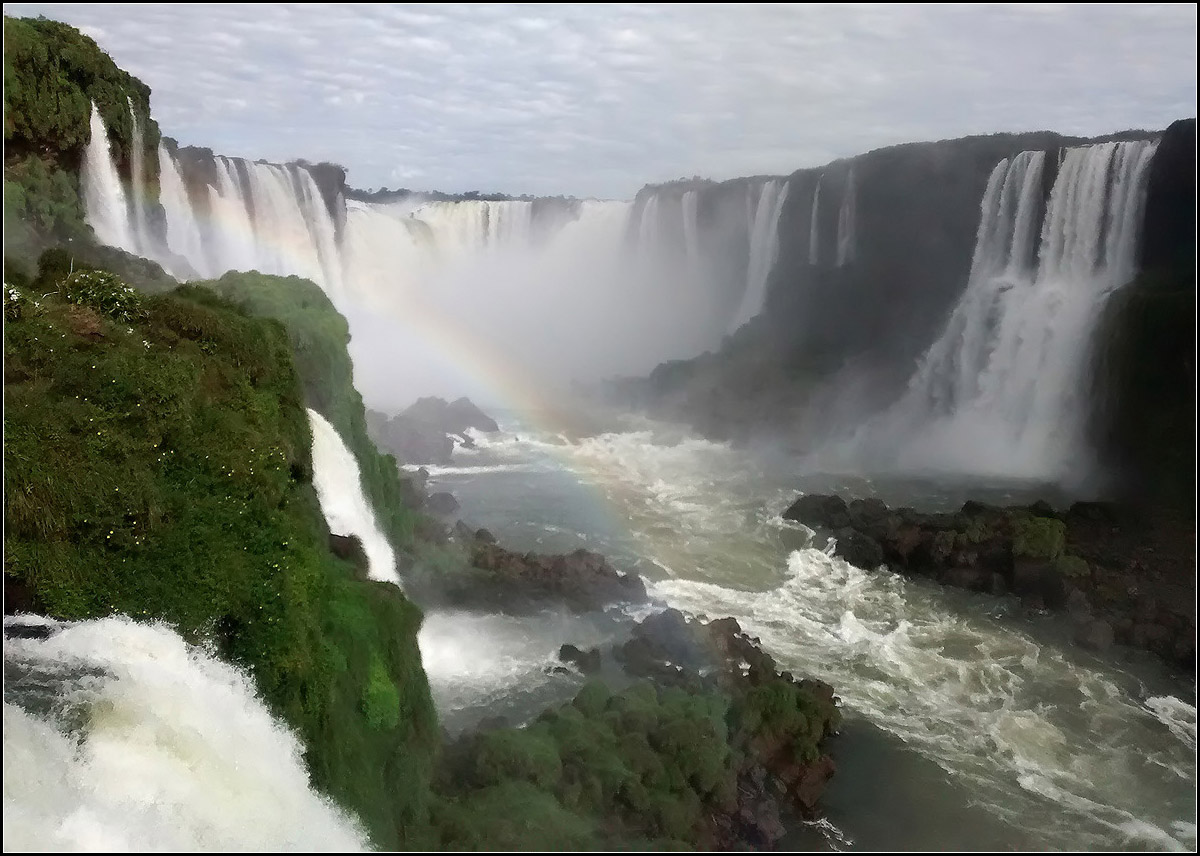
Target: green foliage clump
{"x":1072,"y":567}
{"x":52,"y":75}
{"x":645,"y":764}
{"x":158,"y":466}
{"x":1037,"y":537}
{"x":381,"y":699}
{"x":104,"y":292}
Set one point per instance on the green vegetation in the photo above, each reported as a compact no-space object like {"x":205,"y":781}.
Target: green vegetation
{"x":1037,"y":537}
{"x":52,"y":75}
{"x":645,"y":765}
{"x":1072,"y":567}
{"x":319,"y":335}
{"x":157,"y":461}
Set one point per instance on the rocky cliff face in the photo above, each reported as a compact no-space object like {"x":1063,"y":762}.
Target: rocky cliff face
{"x":1145,"y":380}
{"x":874,"y":252}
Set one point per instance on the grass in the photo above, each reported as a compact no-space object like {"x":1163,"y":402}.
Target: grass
{"x":157,"y":464}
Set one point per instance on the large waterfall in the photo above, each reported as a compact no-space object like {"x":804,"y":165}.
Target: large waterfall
{"x":501,"y":274}
{"x":1003,"y":390}
{"x":119,"y":736}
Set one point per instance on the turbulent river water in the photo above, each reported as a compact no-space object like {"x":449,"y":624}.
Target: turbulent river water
{"x":970,"y":724}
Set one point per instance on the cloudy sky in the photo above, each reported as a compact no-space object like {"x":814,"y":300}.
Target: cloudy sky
{"x":598,"y":100}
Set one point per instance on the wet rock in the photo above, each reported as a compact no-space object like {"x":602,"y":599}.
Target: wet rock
{"x":819,"y":511}
{"x":858,"y":549}
{"x":350,"y":547}
{"x":974,"y":579}
{"x":588,"y":662}
{"x":511,"y":582}
{"x":442,"y":503}
{"x":1096,"y":635}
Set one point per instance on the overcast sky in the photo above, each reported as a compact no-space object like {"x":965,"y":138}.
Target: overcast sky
{"x":598,"y":100}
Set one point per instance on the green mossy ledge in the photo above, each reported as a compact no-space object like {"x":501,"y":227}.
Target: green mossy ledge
{"x":160,"y":466}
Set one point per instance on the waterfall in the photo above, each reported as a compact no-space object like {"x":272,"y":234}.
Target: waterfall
{"x":184,"y":235}
{"x":764,"y":248}
{"x":689,"y":202}
{"x":1002,"y":390}
{"x":846,"y":224}
{"x":814,"y":232}
{"x":119,"y":736}
{"x":104,"y":198}
{"x":141,"y":230}
{"x":347,"y":510}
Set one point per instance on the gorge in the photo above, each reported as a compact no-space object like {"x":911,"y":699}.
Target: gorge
{"x":214,"y":557}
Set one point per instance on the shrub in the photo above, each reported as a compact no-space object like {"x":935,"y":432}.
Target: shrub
{"x":106,"y":293}
{"x":1038,"y":537}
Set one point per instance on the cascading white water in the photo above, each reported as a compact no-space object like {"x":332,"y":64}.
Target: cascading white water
{"x":347,"y":510}
{"x":184,"y":236}
{"x":141,"y":229}
{"x":764,"y":248}
{"x":814,"y":228}
{"x":119,"y":736}
{"x":846,"y":222}
{"x":690,"y":202}
{"x":1002,"y":390}
{"x":103,"y":196}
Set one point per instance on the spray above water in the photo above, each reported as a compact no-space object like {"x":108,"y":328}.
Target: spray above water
{"x":150,"y":745}
{"x":347,"y":511}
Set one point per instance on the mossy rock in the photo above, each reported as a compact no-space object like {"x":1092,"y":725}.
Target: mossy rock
{"x":1037,"y":537}
{"x":1072,"y":567}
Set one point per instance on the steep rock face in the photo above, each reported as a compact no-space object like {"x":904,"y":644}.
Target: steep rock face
{"x":1169,"y":235}
{"x":856,"y":298}
{"x":1144,"y":421}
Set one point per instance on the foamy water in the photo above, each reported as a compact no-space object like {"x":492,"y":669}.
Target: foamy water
{"x":1068,"y":750}
{"x":119,"y":736}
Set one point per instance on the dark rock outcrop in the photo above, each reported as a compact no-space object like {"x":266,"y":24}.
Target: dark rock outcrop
{"x":1096,"y":562}
{"x":588,"y":662}
{"x":422,"y":434}
{"x":442,"y":503}
{"x":350,"y":548}
{"x":498,"y":579}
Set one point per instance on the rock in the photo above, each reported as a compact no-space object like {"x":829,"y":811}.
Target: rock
{"x":463,"y":413}
{"x":974,"y":579}
{"x":485,"y":536}
{"x":582,"y":581}
{"x":819,"y":511}
{"x":350,"y":547}
{"x":442,"y":503}
{"x":462,"y":532}
{"x":858,"y":549}
{"x":588,"y":662}
{"x":1096,"y":635}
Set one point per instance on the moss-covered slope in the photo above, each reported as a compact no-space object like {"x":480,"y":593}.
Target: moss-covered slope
{"x":157,"y":463}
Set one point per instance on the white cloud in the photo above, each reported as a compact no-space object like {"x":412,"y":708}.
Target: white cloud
{"x":597,"y":100}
